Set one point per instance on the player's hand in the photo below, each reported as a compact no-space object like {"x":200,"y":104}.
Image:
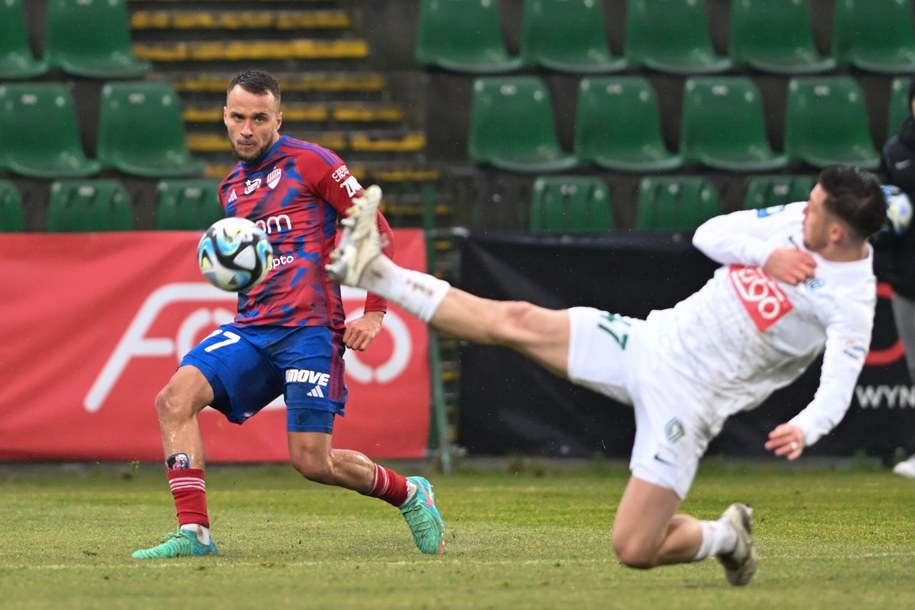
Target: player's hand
{"x":360,"y":332}
{"x":786,"y":441}
{"x":790,"y":265}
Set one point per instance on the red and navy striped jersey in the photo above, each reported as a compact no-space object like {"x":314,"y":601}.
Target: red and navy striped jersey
{"x":297,"y":192}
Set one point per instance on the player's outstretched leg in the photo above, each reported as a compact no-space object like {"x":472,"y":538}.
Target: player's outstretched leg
{"x":360,"y":242}
{"x":424,"y":519}
{"x":741,"y":563}
{"x":183,"y":543}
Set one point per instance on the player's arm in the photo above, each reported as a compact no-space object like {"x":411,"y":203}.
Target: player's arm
{"x":847,"y":341}
{"x":752,"y":238}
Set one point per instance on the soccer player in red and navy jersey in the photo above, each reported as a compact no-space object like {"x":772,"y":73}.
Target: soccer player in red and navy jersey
{"x":290,"y":332}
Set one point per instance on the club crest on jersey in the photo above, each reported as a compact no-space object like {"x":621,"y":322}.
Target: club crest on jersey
{"x":273,"y":178}
{"x":251,"y":185}
{"x":674,"y":430}
{"x":760,"y":295}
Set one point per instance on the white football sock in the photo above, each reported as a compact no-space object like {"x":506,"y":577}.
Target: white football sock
{"x":203,"y":533}
{"x":717,"y":537}
{"x":419,"y":293}
{"x":411,"y":491}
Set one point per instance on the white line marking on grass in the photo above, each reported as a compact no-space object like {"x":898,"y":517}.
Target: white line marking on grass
{"x":184,"y":562}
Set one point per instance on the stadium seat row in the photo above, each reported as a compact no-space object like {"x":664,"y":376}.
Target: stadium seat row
{"x":673,"y":36}
{"x":723,"y":125}
{"x":140,"y":131}
{"x":85,"y":38}
{"x":582,"y":204}
{"x":559,"y":204}
{"x":105,"y":205}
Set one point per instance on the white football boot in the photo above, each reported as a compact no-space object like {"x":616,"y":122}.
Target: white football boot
{"x":360,"y":242}
{"x":741,"y":563}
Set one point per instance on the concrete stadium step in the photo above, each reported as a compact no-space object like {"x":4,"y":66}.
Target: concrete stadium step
{"x":327,"y":113}
{"x":255,"y":50}
{"x":328,"y":82}
{"x":270,"y":19}
{"x":365,"y":172}
{"x":409,"y":142}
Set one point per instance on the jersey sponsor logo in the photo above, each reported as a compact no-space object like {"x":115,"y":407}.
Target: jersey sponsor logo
{"x":273,"y":178}
{"x":316,"y":378}
{"x":760,"y":295}
{"x":251,"y":185}
{"x":340,"y":174}
{"x":352,"y":186}
{"x":282,"y":259}
{"x":275,"y":224}
{"x":232,"y":196}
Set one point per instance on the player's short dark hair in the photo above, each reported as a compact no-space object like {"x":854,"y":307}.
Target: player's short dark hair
{"x":855,"y":196}
{"x":257,"y":82}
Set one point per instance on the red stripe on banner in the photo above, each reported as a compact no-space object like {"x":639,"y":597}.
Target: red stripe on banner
{"x":94,"y":324}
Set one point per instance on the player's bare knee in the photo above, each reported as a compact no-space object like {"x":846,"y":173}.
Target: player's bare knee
{"x":633,"y":554}
{"x":316,"y":470}
{"x":170,"y":407}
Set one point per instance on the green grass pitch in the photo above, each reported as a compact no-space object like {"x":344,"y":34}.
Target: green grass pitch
{"x":532,"y":537}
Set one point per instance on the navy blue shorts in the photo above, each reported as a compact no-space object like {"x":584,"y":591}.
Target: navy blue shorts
{"x":248,"y":367}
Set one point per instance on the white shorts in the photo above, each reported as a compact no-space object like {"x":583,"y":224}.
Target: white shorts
{"x":612,"y":355}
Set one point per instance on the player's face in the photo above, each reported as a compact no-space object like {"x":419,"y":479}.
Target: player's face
{"x":253,"y":122}
{"x":817,"y":221}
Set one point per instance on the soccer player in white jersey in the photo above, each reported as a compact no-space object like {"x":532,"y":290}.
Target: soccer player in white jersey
{"x":796,"y":281}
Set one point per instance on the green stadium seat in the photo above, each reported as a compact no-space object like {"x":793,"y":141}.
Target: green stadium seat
{"x":571,"y":204}
{"x":91,"y":39}
{"x":874,"y":35}
{"x":141,"y":131}
{"x":567,"y":36}
{"x":462,"y":36}
{"x":39,"y":132}
{"x":775,"y":36}
{"x":12,"y":215}
{"x":89,"y":205}
{"x":826,"y":122}
{"x":618,"y":125}
{"x":898,"y":109}
{"x":723,"y":125}
{"x":675,"y":203}
{"x":671,"y":36}
{"x":16,"y":59}
{"x":768,"y":191}
{"x":188,"y":204}
{"x":513,"y":126}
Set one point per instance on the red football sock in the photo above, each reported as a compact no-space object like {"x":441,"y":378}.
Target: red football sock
{"x":190,"y":493}
{"x":388,"y":486}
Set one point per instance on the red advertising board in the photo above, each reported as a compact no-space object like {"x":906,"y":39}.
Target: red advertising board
{"x":93,"y":324}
